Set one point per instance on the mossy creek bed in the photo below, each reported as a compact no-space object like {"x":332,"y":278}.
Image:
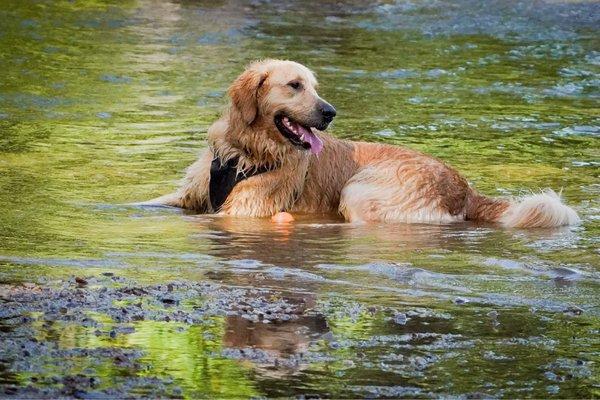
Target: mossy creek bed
{"x":105,"y":103}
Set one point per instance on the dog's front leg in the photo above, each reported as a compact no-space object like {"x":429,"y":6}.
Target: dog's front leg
{"x":266,"y":194}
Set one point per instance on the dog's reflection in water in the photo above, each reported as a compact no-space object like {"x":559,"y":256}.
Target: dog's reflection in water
{"x":318,"y":239}
{"x":277,"y":347}
{"x":280,"y":339}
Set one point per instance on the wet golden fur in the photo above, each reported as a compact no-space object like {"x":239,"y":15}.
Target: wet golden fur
{"x":360,"y":181}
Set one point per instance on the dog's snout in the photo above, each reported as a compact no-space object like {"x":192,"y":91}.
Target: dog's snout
{"x":328,"y":111}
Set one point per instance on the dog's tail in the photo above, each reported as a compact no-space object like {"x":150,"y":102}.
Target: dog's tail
{"x":543,"y":210}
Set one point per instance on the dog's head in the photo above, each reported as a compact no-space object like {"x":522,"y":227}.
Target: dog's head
{"x":280,"y":97}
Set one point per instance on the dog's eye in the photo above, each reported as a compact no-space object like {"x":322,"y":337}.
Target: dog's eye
{"x":295,"y":85}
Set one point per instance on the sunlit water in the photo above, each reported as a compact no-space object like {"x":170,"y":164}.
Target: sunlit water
{"x":102,"y":104}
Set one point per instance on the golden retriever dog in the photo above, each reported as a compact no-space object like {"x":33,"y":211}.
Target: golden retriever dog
{"x":268,"y":153}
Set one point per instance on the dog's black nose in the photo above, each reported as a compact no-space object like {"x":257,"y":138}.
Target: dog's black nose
{"x":328,"y":111}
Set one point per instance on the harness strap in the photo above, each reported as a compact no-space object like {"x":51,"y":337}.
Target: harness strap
{"x":224,"y":177}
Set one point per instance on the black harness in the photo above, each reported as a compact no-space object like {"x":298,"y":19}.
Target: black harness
{"x":224,"y":177}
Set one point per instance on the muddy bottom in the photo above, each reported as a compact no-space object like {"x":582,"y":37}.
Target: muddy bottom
{"x":106,"y":335}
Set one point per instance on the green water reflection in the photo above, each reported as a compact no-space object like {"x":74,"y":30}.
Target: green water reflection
{"x":105,"y":103}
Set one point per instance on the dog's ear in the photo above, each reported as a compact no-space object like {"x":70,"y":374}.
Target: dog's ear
{"x":244,"y":94}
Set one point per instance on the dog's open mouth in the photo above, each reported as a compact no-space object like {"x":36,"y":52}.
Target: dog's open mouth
{"x":298,"y":134}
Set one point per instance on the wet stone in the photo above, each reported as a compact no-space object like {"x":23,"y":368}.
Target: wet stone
{"x":400,"y":319}
{"x":573,"y":310}
{"x":553,"y":389}
{"x":81,"y":281}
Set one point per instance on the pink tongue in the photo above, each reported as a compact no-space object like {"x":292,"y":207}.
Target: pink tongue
{"x":316,"y":144}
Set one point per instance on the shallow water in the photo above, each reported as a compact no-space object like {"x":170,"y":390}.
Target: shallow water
{"x":105,"y":103}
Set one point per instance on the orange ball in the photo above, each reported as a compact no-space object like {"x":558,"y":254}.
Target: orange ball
{"x":282,"y":218}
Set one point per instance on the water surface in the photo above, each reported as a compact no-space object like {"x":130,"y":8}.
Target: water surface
{"x":105,"y":103}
